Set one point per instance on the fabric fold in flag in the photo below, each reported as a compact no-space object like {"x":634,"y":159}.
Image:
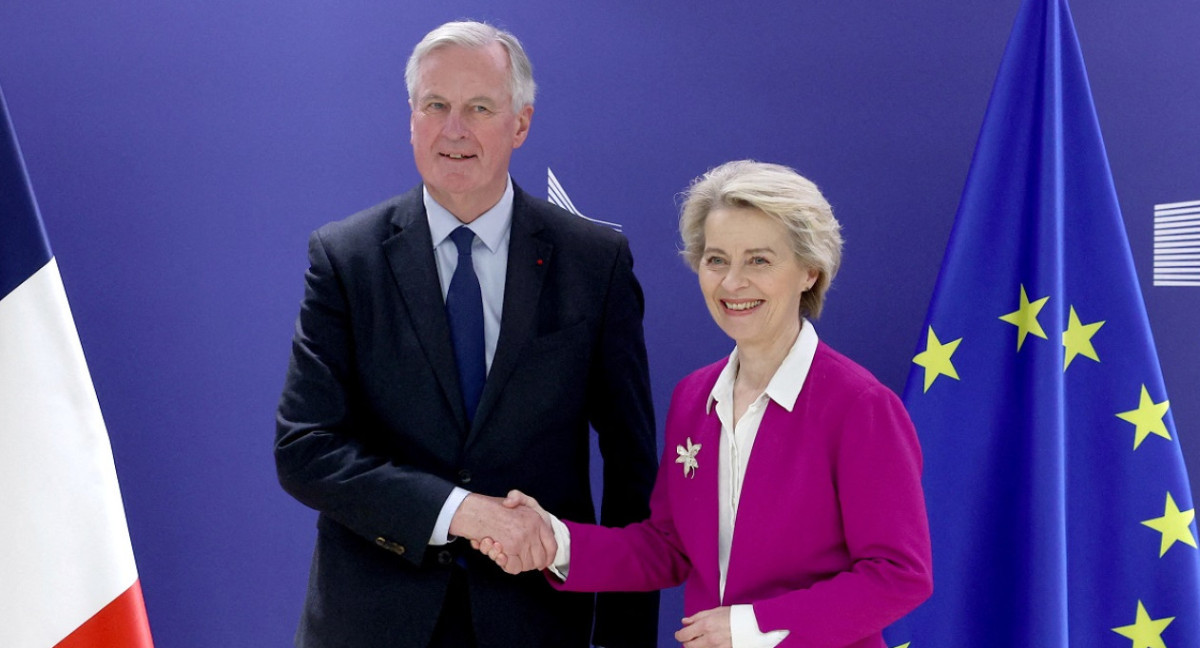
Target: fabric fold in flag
{"x":1059,"y":504}
{"x":67,"y":572}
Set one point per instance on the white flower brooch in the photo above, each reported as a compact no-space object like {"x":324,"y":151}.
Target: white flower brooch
{"x":687,"y":457}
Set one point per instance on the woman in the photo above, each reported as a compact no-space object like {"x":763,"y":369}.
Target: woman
{"x":789,"y":496}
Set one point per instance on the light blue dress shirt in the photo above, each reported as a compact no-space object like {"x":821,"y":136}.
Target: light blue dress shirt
{"x":490,"y":256}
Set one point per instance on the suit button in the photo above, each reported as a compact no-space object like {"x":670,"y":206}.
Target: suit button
{"x":444,"y":557}
{"x":393,"y":547}
{"x":464,"y":476}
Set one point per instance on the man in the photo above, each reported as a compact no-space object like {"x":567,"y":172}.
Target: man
{"x":387,"y":425}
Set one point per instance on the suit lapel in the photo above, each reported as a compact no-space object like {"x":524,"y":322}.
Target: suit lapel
{"x":409,"y":253}
{"x":694,"y":502}
{"x":708,"y":504}
{"x":529,"y":258}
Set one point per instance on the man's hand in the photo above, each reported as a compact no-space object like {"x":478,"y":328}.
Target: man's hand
{"x":519,"y":537}
{"x":707,"y":629}
{"x":501,"y":553}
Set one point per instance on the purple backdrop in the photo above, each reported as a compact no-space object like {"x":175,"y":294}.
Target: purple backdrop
{"x":182,"y":152}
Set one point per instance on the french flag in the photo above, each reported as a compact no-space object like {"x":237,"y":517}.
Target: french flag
{"x":67,"y":574}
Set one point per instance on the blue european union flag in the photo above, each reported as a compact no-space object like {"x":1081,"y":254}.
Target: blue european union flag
{"x":1058,"y":498}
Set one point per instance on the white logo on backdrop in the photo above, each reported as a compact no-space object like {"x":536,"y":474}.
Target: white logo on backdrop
{"x":1177,"y":244}
{"x":557,"y":195}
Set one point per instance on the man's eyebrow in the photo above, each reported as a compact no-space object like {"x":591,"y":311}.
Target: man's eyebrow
{"x":476,"y":99}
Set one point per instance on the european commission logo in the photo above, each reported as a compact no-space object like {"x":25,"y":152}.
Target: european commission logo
{"x":1177,"y":244}
{"x":557,"y":195}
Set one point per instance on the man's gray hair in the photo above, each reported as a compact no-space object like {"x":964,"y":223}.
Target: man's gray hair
{"x":475,"y":35}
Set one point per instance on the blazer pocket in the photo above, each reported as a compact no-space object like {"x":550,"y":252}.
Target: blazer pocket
{"x":561,"y":341}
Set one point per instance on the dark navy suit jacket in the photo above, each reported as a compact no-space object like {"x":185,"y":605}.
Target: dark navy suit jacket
{"x":371,"y":430}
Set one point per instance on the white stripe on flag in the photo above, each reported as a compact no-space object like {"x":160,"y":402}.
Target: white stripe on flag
{"x":65,"y":545}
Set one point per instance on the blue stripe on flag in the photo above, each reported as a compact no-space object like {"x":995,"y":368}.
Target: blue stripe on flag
{"x":24,"y":248}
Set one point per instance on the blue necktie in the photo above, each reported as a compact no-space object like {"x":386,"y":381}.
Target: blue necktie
{"x":464,"y":310}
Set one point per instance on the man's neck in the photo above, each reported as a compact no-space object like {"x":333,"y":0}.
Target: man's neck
{"x":466,"y":207}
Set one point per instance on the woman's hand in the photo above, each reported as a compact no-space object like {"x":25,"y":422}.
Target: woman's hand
{"x":707,"y":629}
{"x":517,"y":557}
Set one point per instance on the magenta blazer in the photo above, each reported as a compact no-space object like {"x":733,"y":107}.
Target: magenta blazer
{"x":831,"y":540}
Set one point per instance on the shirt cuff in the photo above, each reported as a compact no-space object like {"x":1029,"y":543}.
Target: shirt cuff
{"x":562,"y":556}
{"x":441,"y":528}
{"x":744,"y":632}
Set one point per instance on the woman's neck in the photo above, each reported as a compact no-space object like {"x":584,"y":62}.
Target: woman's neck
{"x":757,"y":364}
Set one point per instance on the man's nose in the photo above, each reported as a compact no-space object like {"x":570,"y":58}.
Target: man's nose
{"x":455,"y":126}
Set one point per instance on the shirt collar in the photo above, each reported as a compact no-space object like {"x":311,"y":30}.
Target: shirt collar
{"x":490,"y":227}
{"x":784,"y":387}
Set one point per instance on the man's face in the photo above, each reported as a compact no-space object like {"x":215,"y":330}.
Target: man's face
{"x":463,"y":128}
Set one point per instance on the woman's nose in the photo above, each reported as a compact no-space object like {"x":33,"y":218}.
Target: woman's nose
{"x":734,"y":278}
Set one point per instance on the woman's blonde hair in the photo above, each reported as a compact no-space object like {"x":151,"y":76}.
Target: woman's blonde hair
{"x":780,"y":193}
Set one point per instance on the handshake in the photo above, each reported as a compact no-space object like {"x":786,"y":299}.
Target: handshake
{"x":515,"y":532}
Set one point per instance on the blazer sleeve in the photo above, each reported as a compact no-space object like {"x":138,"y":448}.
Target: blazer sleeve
{"x":620,"y":409}
{"x":647,"y":555}
{"x":321,"y":456}
{"x":878,"y":481}
{"x":642,"y":556}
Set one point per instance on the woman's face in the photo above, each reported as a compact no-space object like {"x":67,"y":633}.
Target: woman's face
{"x":751,"y":279}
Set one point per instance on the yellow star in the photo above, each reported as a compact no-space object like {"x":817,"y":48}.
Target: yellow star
{"x":1174,"y":525}
{"x":1145,"y":632}
{"x":904,"y":645}
{"x":1078,"y":339}
{"x":1025,"y":318}
{"x":1148,"y":418}
{"x":936,"y":358}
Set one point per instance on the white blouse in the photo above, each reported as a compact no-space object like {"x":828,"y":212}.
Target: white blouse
{"x":737,"y":441}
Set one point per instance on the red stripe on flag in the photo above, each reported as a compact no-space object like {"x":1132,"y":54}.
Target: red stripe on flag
{"x":121,"y":623}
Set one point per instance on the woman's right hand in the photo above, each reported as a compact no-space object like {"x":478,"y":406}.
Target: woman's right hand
{"x":495,"y":550}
